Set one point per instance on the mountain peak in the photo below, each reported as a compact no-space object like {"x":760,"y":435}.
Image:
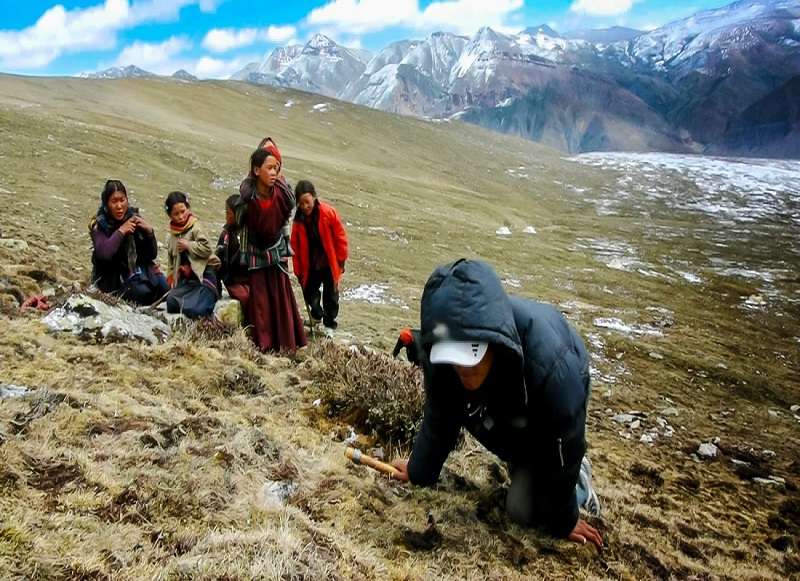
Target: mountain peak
{"x":543,"y":28}
{"x":486,"y":33}
{"x":320,"y":41}
{"x":443,"y":34}
{"x":126,"y":72}
{"x":183,"y":75}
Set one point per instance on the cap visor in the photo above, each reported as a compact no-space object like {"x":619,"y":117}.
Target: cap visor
{"x":462,"y":353}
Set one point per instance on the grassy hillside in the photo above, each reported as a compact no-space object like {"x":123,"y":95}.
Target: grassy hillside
{"x":134,"y":461}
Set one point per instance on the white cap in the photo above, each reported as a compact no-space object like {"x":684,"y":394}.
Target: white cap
{"x":463,"y":353}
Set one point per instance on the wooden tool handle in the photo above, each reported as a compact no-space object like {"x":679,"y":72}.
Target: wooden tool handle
{"x":360,"y":458}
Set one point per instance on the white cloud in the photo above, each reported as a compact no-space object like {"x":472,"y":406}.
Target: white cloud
{"x":602,"y":7}
{"x":164,"y":10}
{"x":225,"y":39}
{"x":164,"y":58}
{"x":153,"y":56}
{"x":59,"y":31}
{"x":280,"y":33}
{"x":467,"y":16}
{"x":363,"y":16}
{"x":360,"y":16}
{"x":213,"y":68}
{"x":354,"y":43}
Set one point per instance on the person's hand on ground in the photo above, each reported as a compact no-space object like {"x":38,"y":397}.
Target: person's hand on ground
{"x":402,"y":465}
{"x":583,"y":532}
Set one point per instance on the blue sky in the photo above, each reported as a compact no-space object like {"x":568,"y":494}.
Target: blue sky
{"x":214,"y":38}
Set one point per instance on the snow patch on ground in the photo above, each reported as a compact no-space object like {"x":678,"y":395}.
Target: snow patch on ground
{"x":226,"y":183}
{"x":12,"y":390}
{"x":374,"y":294}
{"x":741,"y":190}
{"x":392,"y":235}
{"x":617,"y":255}
{"x":616,"y":324}
{"x":503,"y":231}
{"x":321,"y":107}
{"x":755,"y":303}
{"x":689,"y":277}
{"x":735,"y":271}
{"x":602,"y":369}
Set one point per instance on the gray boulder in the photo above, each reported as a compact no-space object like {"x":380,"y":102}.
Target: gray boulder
{"x":707,"y":451}
{"x":92,"y":319}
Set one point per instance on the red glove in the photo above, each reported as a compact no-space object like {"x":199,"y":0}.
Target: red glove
{"x":37,"y":302}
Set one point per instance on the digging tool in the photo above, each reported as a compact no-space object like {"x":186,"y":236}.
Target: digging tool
{"x":360,"y":458}
{"x":160,"y":300}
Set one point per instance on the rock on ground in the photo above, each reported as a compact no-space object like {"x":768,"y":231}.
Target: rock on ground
{"x":93,"y":319}
{"x":229,"y":311}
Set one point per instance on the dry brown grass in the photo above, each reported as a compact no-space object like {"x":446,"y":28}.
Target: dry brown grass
{"x":153,"y":465}
{"x":378,"y":395}
{"x":139,"y":462}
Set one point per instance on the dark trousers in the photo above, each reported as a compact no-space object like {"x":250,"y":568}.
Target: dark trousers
{"x":144,"y":287}
{"x":521,"y":502}
{"x":329,"y":309}
{"x":193,"y":298}
{"x":524,"y":503}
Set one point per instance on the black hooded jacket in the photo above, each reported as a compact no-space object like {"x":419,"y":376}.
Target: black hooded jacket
{"x":532,"y":407}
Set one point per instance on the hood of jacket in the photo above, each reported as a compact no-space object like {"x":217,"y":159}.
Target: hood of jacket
{"x":465,"y":301}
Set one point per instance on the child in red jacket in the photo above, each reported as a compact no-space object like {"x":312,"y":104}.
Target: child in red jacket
{"x":320,"y":245}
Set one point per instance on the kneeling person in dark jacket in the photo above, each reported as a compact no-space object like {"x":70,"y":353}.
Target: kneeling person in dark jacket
{"x":516,"y":376}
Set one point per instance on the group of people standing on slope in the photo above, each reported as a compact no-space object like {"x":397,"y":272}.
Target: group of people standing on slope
{"x":511,"y":371}
{"x":266,"y":224}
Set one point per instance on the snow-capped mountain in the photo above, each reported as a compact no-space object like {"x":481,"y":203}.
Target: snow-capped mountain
{"x":280,"y":58}
{"x":409,"y":77}
{"x":128,"y":72}
{"x":714,"y":64}
{"x":320,"y":66}
{"x":675,"y":87}
{"x":544,"y":29}
{"x":183,"y":75}
{"x":685,"y":45}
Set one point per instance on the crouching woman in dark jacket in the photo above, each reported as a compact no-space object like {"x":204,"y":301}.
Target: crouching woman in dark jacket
{"x":516,"y":376}
{"x":124,"y":249}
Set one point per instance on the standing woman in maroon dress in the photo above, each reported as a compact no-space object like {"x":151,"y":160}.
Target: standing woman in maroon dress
{"x":261,"y":213}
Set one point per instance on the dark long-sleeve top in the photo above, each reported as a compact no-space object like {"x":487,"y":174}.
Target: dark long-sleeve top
{"x":262,"y":241}
{"x":116,"y":255}
{"x":106,"y":246}
{"x":265,"y":218}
